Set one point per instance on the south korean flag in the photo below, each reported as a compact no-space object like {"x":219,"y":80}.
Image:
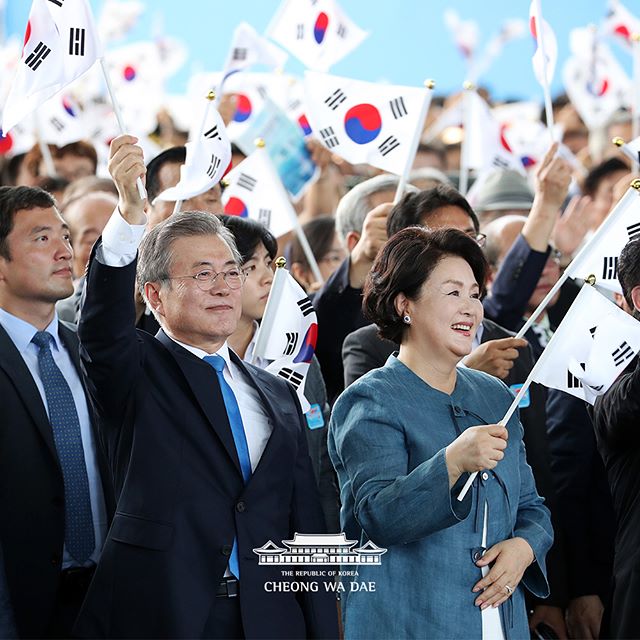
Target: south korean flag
{"x":365,"y":122}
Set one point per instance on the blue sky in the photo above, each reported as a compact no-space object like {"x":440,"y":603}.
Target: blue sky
{"x":408,"y":41}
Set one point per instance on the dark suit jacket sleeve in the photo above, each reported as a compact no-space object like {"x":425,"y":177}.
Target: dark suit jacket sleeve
{"x":306,"y":517}
{"x":514,"y":284}
{"x":362,"y":351}
{"x":7,"y":624}
{"x":582,"y":493}
{"x":109,"y":348}
{"x":339,"y":310}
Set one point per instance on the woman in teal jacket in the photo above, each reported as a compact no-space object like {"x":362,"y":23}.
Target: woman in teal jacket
{"x":404,"y":439}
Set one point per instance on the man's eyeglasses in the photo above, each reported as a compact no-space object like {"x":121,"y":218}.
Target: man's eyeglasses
{"x":480,"y":238}
{"x":233,"y":278}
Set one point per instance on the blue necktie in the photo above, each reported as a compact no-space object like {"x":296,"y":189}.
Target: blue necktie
{"x":78,"y":536}
{"x":239,"y":438}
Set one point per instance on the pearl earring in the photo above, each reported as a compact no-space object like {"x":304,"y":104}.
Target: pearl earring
{"x":406,"y":319}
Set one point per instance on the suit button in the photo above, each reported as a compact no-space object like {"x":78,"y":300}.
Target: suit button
{"x":58,"y":501}
{"x":226,"y":549}
{"x":241,"y":506}
{"x":485,"y":476}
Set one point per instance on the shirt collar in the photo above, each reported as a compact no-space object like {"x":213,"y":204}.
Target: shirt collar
{"x":223,"y":351}
{"x":21,"y":332}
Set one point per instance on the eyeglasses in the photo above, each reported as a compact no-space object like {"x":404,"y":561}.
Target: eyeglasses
{"x":233,"y":278}
{"x":480,"y":238}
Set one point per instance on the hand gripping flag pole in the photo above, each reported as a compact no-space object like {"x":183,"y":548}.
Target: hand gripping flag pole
{"x":632,"y":192}
{"x":142,"y":192}
{"x":429,"y":85}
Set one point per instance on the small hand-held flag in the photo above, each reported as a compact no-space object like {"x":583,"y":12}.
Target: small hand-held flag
{"x":288,"y":331}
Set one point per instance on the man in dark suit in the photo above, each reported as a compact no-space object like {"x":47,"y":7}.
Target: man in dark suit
{"x":208,"y":453}
{"x":616,"y":416}
{"x":54,"y":487}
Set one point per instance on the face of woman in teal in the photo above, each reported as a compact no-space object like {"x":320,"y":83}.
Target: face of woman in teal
{"x":446,"y":315}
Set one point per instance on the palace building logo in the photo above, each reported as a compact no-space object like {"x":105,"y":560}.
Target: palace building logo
{"x":319,"y":549}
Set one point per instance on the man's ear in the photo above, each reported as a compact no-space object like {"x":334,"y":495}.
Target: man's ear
{"x":635,"y":296}
{"x":352,"y":240}
{"x":152,"y":292}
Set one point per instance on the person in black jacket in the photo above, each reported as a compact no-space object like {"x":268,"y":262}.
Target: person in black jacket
{"x":616,"y":420}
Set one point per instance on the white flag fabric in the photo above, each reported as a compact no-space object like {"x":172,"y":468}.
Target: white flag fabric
{"x":600,"y":256}
{"x":61,"y":121}
{"x":249,"y":48}
{"x":542,"y":27}
{"x":621,"y":23}
{"x":365,"y":122}
{"x":288,"y":332}
{"x":255,"y":191}
{"x":117,"y":18}
{"x":317,"y":32}
{"x":465,"y":33}
{"x":594,"y":343}
{"x":595,"y":82}
{"x":60,"y":44}
{"x":208,"y":156}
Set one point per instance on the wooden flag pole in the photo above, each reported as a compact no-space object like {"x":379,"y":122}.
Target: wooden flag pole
{"x":142,"y":192}
{"x":402,"y":182}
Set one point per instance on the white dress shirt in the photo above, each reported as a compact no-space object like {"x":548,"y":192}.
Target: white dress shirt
{"x":21,"y":333}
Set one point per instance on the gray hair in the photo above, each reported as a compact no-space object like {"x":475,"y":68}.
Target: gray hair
{"x":155,"y":255}
{"x":354,"y":205}
{"x":493,"y":244}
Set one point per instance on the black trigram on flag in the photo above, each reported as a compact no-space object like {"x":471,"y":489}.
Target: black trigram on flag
{"x":264,"y":217}
{"x":262,"y":92}
{"x":35,"y":58}
{"x":305,"y":306}
{"x":239,"y":53}
{"x":633,"y":231}
{"x":292,"y":376}
{"x":213,"y":166}
{"x":213,"y":133}
{"x":398,"y":107}
{"x":57,"y":2}
{"x":572,"y":381}
{"x":76,"y":41}
{"x":592,"y":331}
{"x":246,"y":182}
{"x":299,"y":32}
{"x":388,"y":145}
{"x":500,"y":163}
{"x":610,"y":268}
{"x":292,"y":343}
{"x":622,"y":354}
{"x":329,"y":137}
{"x":294,"y":104}
{"x":335,"y":99}
{"x":57,"y":124}
{"x":341,"y":31}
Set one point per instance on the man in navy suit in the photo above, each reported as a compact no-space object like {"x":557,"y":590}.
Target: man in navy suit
{"x":208,"y":454}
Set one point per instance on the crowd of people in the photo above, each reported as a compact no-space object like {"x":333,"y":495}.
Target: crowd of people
{"x":145,"y":452}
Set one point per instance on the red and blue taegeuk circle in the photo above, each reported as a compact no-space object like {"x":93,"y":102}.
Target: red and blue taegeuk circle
{"x":304,"y":124}
{"x":308,"y":346}
{"x":235,"y":207}
{"x":320,"y":27}
{"x":363,"y":123}
{"x":129,"y":73}
{"x":243,"y":108}
{"x":68,"y":106}
{"x":6,"y":143}
{"x":598,"y":88}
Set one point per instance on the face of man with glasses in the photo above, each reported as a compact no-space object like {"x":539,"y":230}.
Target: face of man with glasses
{"x":201,"y":301}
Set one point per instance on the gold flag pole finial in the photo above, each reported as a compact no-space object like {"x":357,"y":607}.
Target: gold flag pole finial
{"x":259,"y":142}
{"x":430,"y":84}
{"x":635,"y":37}
{"x":468,"y":86}
{"x":224,"y":182}
{"x":590,"y":279}
{"x":618,"y":141}
{"x":211,"y":96}
{"x":281,"y":262}
{"x":635,"y":184}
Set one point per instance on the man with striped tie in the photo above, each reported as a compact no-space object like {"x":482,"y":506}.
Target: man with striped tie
{"x":55,"y":493}
{"x":208,"y":453}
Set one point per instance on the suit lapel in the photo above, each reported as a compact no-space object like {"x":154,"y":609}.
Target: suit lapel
{"x":17,"y":371}
{"x":203,"y":382}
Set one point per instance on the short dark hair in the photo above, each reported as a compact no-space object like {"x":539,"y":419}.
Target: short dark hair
{"x":80,"y":149}
{"x":601,"y":171}
{"x":14,"y":199}
{"x":249,"y":234}
{"x":414,"y":207}
{"x":629,"y":270}
{"x":405,"y":263}
{"x":320,"y":232}
{"x":173,"y":155}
